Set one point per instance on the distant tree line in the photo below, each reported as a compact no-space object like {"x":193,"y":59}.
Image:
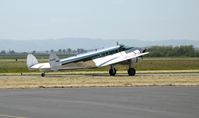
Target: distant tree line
{"x":7,"y":52}
{"x":68,"y":51}
{"x":41,"y":54}
{"x":170,"y":51}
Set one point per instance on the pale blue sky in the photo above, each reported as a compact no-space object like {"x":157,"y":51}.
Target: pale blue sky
{"x":105,"y":19}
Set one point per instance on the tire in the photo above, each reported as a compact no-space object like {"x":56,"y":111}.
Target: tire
{"x":112,"y":72}
{"x":131,"y":71}
{"x":43,"y":74}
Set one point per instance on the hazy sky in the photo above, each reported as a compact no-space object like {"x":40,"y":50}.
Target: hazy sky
{"x":106,"y":19}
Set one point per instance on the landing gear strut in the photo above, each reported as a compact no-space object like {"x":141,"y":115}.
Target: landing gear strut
{"x":131,"y":70}
{"x":112,"y":71}
{"x":43,"y":74}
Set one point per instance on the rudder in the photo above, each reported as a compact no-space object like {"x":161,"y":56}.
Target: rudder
{"x":31,"y":60}
{"x":54,"y":62}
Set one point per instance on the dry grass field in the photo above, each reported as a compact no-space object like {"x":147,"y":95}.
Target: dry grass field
{"x":100,"y":79}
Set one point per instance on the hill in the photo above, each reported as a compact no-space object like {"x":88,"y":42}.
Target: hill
{"x":86,"y":43}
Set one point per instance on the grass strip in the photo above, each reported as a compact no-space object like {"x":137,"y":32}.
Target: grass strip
{"x":71,"y":80}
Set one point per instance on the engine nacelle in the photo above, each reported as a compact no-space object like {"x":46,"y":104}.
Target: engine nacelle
{"x":137,"y":59}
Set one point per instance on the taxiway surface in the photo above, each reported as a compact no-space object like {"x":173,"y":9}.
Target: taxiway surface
{"x":135,"y":102}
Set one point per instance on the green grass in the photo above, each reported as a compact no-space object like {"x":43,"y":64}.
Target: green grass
{"x":10,"y":65}
{"x":168,"y":64}
{"x":13,"y":66}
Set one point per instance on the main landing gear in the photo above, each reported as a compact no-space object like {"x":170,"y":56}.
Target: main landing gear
{"x":131,"y":70}
{"x":113,"y":71}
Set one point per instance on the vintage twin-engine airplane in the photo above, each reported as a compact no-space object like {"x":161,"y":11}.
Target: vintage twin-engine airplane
{"x":98,"y":58}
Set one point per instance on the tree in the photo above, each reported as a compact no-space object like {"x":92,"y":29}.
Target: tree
{"x":64,"y":51}
{"x":60,"y":51}
{"x":169,"y":51}
{"x":33,"y":52}
{"x":51,"y":50}
{"x":3,"y":52}
{"x":69,"y":51}
{"x":11,"y":52}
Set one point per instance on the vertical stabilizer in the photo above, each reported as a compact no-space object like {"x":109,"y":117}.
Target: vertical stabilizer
{"x":54,"y":62}
{"x":31,"y":61}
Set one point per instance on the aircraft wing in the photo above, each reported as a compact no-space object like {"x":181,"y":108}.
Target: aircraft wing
{"x":117,"y":58}
{"x":87,"y":56}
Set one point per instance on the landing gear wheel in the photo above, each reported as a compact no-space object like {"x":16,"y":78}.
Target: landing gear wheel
{"x":131,"y":71}
{"x":43,"y":74}
{"x":112,"y":71}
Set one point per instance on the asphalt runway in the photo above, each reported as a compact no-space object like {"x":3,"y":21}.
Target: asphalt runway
{"x":135,"y":102}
